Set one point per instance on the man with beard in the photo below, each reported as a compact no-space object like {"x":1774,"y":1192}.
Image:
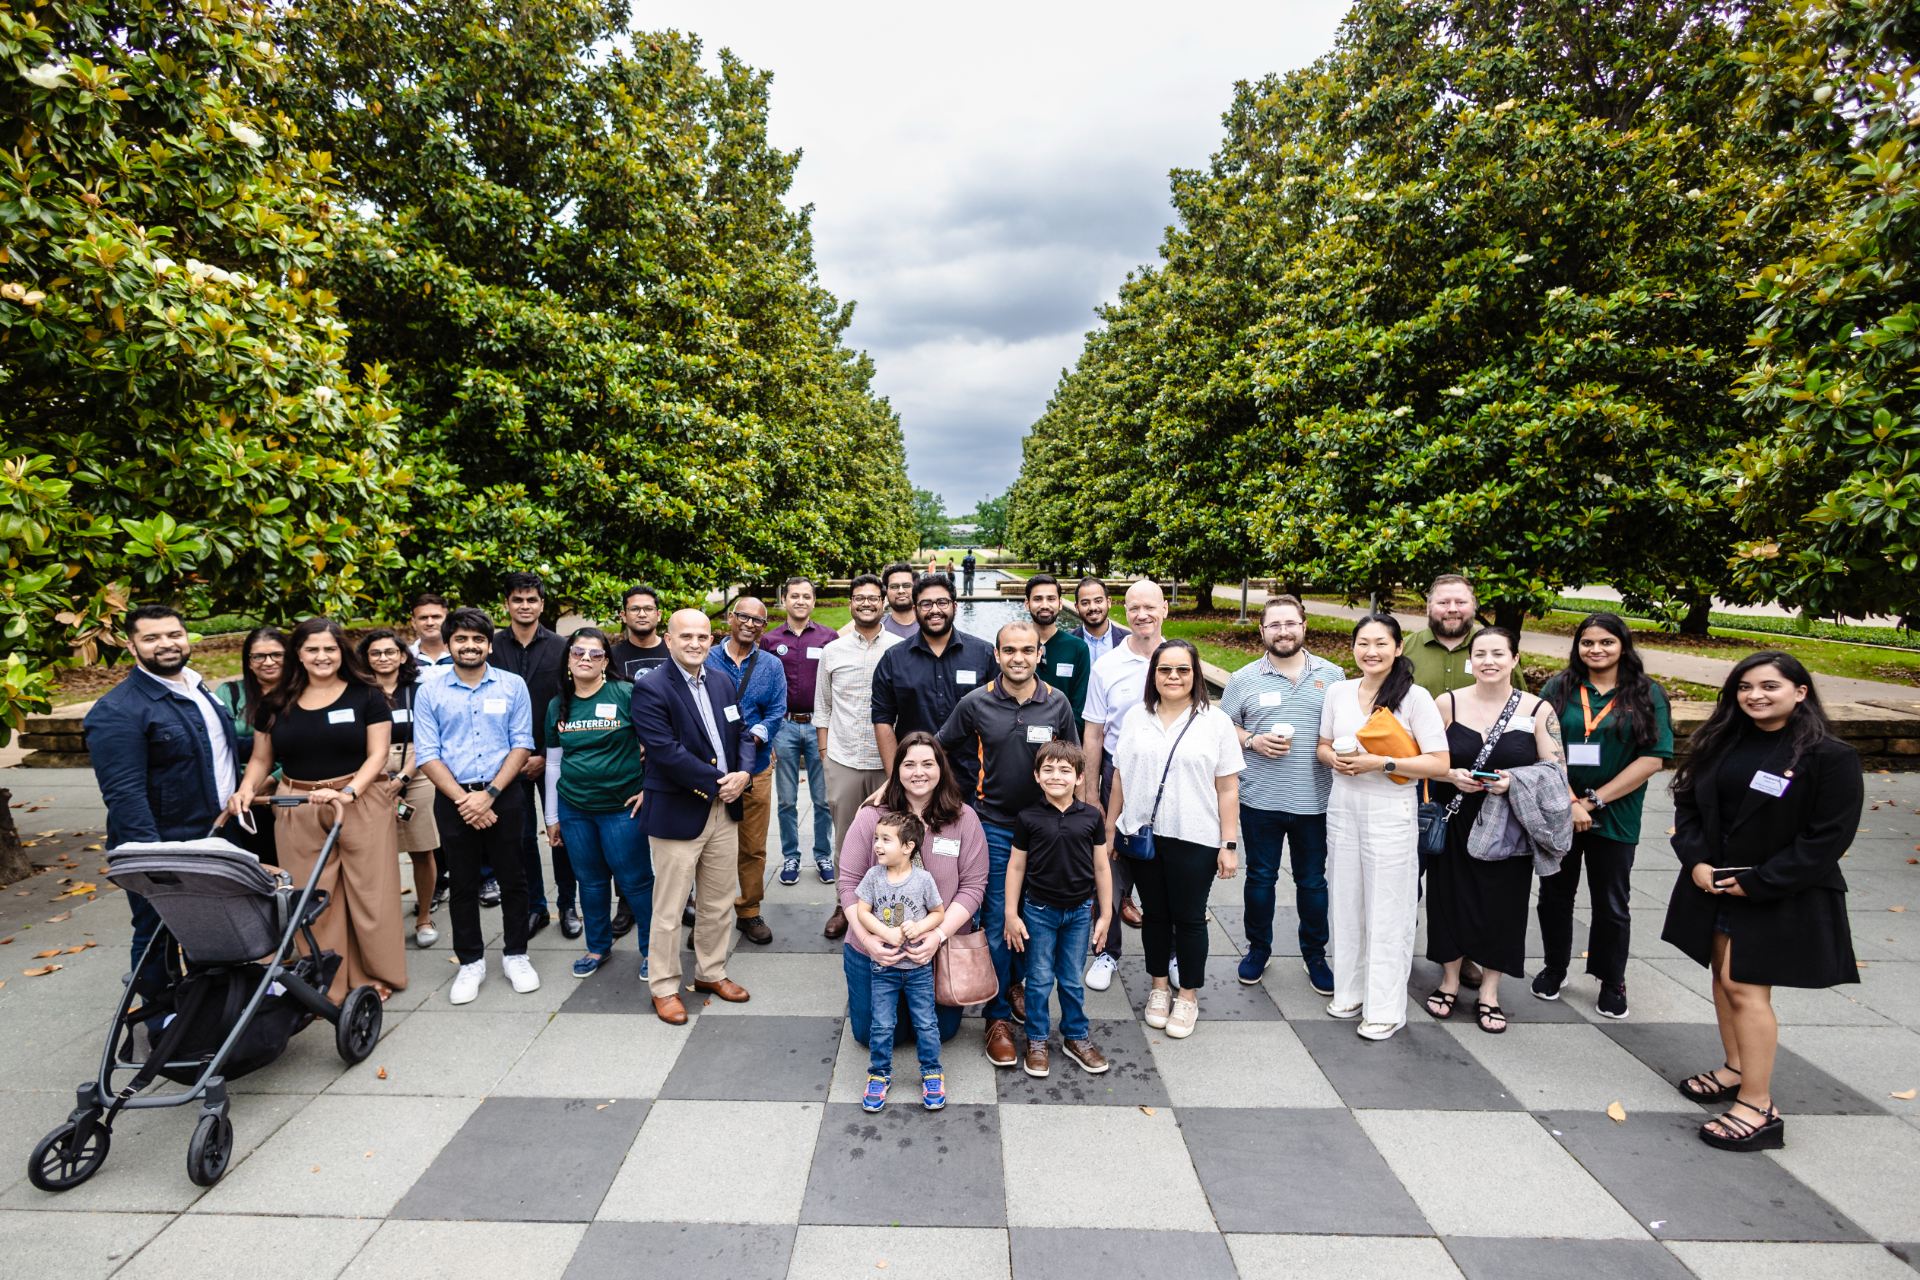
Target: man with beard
{"x":1099,"y":633}
{"x":843,"y":712}
{"x":900,"y":619}
{"x":918,"y":684}
{"x":1065,"y":661}
{"x":640,"y":648}
{"x":162,"y":752}
{"x":1283,"y":792}
{"x":801,"y":644}
{"x":1438,"y":650}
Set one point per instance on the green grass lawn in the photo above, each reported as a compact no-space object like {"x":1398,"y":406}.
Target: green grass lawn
{"x":1823,"y":657}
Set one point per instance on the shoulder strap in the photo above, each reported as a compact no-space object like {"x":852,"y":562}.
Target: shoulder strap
{"x":1487,"y":744}
{"x":1169,"y":765}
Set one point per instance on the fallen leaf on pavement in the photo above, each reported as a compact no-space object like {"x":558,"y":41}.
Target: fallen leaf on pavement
{"x":1616,"y":1113}
{"x":42,"y":971}
{"x":315,"y":1169}
{"x":602,"y":1106}
{"x":1898,"y":908}
{"x":381,"y":1074}
{"x":5,"y":941}
{"x":1905,"y":1095}
{"x":369,"y":1154}
{"x":1671,"y":830}
{"x":880,"y":1265}
{"x":74,"y":951}
{"x":79,"y":890}
{"x":42,"y":955}
{"x":46,"y":834}
{"x":1146,"y":1111}
{"x":24,"y":893}
{"x":63,"y":916}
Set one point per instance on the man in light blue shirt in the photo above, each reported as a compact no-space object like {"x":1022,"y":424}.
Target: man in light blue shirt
{"x":472,"y":731}
{"x":761,"y":680}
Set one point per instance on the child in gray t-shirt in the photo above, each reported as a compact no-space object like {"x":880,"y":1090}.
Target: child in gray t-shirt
{"x":898,"y":903}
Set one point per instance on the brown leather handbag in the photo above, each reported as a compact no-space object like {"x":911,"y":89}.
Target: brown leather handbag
{"x":963,"y":971}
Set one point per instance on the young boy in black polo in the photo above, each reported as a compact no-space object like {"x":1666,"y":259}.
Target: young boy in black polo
{"x":1060,"y":859}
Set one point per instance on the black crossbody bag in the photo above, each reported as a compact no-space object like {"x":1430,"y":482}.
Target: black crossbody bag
{"x":1435,"y":816}
{"x":1139,"y":845}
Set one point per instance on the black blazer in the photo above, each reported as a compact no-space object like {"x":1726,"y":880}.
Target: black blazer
{"x":153,"y":761}
{"x":682,"y":774}
{"x":1791,"y":928}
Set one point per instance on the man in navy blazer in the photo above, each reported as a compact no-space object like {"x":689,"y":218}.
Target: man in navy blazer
{"x":1090,"y":602}
{"x":699,"y":763}
{"x":163,"y":754}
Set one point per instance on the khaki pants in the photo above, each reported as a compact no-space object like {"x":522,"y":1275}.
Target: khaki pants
{"x":756,"y":810}
{"x":705,"y":866}
{"x":847,"y":788}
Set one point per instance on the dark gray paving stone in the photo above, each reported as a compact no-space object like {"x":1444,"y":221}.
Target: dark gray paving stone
{"x":1131,"y":1081}
{"x":1485,"y":1259}
{"x":1297,"y":1171}
{"x":682,"y":1251}
{"x":758,"y":1059}
{"x":1421,"y":1068}
{"x":907,"y":1166}
{"x":1907,"y":1253}
{"x":796,"y":929}
{"x":1050,"y":1253}
{"x":1676,"y":1050}
{"x":1657,"y":1167}
{"x":1223,"y":998}
{"x":528,"y":1160}
{"x":617,"y":987}
{"x":1516,"y":998}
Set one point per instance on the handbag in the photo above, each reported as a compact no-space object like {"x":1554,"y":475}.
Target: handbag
{"x":963,"y":971}
{"x":1384,"y":735}
{"x":1139,"y":845}
{"x":1434,"y":816}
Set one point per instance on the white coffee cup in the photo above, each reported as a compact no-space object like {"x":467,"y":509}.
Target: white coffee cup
{"x":1285,"y":731}
{"x":1346,"y":745}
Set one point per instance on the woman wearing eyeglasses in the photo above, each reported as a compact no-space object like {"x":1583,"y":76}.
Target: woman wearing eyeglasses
{"x":263,"y":661}
{"x":593,"y":779}
{"x":397,"y":673}
{"x":1176,"y":771}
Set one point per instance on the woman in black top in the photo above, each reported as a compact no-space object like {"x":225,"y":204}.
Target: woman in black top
{"x":1764,"y":809}
{"x":397,"y":675}
{"x":328,"y":728}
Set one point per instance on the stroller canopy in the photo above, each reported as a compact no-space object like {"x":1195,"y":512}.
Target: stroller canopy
{"x":216,"y":899}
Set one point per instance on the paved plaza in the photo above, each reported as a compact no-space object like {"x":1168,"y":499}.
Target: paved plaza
{"x":569,"y":1133}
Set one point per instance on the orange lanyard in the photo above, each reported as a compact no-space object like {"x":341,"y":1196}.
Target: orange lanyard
{"x":1592,"y":721}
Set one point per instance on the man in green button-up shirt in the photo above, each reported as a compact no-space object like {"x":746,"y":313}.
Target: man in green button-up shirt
{"x":1438,"y":650}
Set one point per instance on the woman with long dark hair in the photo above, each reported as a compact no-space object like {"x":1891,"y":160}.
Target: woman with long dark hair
{"x":1377,"y":733}
{"x":397,"y":673}
{"x":1619,"y":733}
{"x":328,"y":727}
{"x":1765,"y":806}
{"x":922,"y":783}
{"x":263,"y":664}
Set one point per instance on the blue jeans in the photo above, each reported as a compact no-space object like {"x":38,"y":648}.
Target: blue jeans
{"x":608,"y":848}
{"x":888,"y":985}
{"x":1056,"y":951}
{"x":563,"y":886}
{"x":860,"y":999}
{"x":1305,"y":834}
{"x":794,"y":743}
{"x":993,"y":917}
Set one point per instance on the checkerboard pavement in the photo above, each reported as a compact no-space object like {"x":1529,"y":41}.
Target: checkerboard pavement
{"x":569,"y":1133}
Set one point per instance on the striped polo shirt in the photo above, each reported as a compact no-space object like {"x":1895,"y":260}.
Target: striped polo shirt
{"x":1257,"y":699}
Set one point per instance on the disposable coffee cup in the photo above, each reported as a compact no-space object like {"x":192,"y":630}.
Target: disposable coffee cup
{"x":1346,"y":745}
{"x":1285,"y":731}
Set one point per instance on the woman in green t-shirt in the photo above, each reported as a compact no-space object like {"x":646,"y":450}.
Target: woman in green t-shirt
{"x":1619,"y":733}
{"x":593,"y":791}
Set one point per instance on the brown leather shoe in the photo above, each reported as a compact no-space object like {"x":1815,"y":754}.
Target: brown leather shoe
{"x":1036,"y":1063}
{"x":1017,"y":997}
{"x":1087,"y":1054}
{"x":754,"y":930}
{"x":670,"y":1010}
{"x":1000,"y":1043}
{"x":727,"y":989}
{"x":1130,"y":914}
{"x":836,"y":924}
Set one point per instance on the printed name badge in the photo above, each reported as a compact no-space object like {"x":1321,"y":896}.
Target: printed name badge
{"x":403,"y":715}
{"x":343,"y":716}
{"x":966,"y":677}
{"x":1771,"y":783}
{"x":1583,"y":753}
{"x":946,"y":847}
{"x":813,"y":652}
{"x":1039,"y":733}
{"x":732,"y":712}
{"x":494,"y":706}
{"x":1063,"y":668}
{"x":605,"y":710}
{"x":1272,"y":698}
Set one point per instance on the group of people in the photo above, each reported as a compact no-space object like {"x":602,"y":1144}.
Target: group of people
{"x":1025,"y":788}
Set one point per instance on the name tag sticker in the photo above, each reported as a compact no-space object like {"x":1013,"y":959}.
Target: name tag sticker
{"x":1771,"y":783}
{"x":814,"y":651}
{"x":1583,"y":753}
{"x":605,"y":710}
{"x":1272,"y":698}
{"x":403,"y":715}
{"x":966,"y":677}
{"x":732,"y":713}
{"x":946,"y":846}
{"x":343,"y":716}
{"x":1039,"y":733}
{"x":494,"y":706}
{"x":1524,"y":724}
{"x":1063,"y":668}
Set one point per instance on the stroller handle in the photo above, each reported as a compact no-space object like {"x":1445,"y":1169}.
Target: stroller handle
{"x":285,"y":802}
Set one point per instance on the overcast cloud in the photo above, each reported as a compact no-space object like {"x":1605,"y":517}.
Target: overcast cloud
{"x":985,"y":175}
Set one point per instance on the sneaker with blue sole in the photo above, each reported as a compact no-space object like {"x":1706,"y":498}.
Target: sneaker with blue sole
{"x":643,"y":966}
{"x":790,"y":871}
{"x":587,"y":965}
{"x":933,"y":1090}
{"x":1253,"y":966}
{"x":876,"y":1096}
{"x":1319,"y":975}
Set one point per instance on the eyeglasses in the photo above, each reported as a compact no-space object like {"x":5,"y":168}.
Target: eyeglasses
{"x":643,"y":608}
{"x":267,"y":659}
{"x":1176,"y":671}
{"x":747,"y":619}
{"x":587,"y":654}
{"x":378,"y":653}
{"x":866,"y":597}
{"x":1283,"y":626}
{"x":933,"y":604}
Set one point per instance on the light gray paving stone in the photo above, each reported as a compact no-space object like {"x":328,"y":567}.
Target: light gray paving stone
{"x":1652,"y":996}
{"x":698,"y":1161}
{"x":1240,"y":1064}
{"x":925,"y":1253}
{"x":429,"y":971}
{"x":682,"y":1251}
{"x":788,"y":985}
{"x":346,"y":1155}
{"x":1794,"y":1006}
{"x":498,"y":996}
{"x":1750,"y":1261}
{"x":1867,"y":1167}
{"x":441,"y":1051}
{"x":1119,"y":1254}
{"x":970,"y":1077}
{"x":260,"y":1248}
{"x":311,"y":1063}
{"x":467,"y":1251}
{"x":1517,"y":1168}
{"x":1877,"y":1062}
{"x":1891,"y":987}
{"x":1153,"y":1187}
{"x":1570,"y":1066}
{"x":1887,"y":935}
{"x":65,"y":1246}
{"x":585,"y":1055}
{"x":1288,"y":1257}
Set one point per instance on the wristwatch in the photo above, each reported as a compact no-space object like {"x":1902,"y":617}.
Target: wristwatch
{"x":348,"y":790}
{"x":493,"y":792}
{"x":1231,"y":846}
{"x":1594,"y":801}
{"x":1387,"y":768}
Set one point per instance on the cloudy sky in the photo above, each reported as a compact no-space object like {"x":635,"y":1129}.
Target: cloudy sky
{"x":984,"y":176}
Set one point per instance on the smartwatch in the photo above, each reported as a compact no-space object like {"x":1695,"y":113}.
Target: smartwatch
{"x":1387,"y":768}
{"x":493,"y":792}
{"x":1231,"y":846}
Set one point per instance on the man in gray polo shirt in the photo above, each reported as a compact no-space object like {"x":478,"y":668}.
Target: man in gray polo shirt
{"x":1274,"y":703}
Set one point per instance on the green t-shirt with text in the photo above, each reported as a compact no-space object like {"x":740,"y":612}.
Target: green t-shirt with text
{"x":600,"y":756}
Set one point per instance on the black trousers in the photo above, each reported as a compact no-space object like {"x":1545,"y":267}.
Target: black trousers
{"x":1173,"y":886}
{"x":465,"y":852}
{"x":564,"y":885}
{"x":1609,"y":887}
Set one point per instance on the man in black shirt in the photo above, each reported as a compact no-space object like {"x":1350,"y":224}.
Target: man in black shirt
{"x":916,"y":685}
{"x":640,"y":649}
{"x":531,"y":650}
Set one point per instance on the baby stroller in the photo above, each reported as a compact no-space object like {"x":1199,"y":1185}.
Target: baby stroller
{"x":236,"y":991}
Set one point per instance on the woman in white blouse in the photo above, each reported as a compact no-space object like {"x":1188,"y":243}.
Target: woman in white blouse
{"x":1176,"y":734}
{"x":1373,"y":830}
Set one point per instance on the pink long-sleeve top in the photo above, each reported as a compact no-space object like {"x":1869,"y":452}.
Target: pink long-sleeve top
{"x":961,"y":875}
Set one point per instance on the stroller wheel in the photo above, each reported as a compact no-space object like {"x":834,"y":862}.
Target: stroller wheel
{"x":63,"y":1160}
{"x":210,"y":1148}
{"x":358,"y":1029}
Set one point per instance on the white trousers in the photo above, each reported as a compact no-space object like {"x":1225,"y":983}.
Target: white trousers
{"x":1373,"y":892}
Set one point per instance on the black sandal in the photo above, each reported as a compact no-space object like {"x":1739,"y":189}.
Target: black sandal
{"x":1706,"y":1087}
{"x":1482,"y":1012}
{"x":1769,"y":1135}
{"x":1446,"y":999}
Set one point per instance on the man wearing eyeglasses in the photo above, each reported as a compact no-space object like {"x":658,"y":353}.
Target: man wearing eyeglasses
{"x":843,"y":715}
{"x":918,"y":684}
{"x":761,"y":683}
{"x":900,"y":619}
{"x":640,"y":648}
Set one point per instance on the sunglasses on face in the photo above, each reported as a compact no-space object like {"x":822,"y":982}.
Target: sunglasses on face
{"x":587,"y":655}
{"x":1176,"y":671}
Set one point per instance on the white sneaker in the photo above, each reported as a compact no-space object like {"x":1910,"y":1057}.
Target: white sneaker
{"x":466,"y":983}
{"x":1180,"y":1021}
{"x":1379,"y":1030}
{"x":1159,"y":1003}
{"x":519,"y":971}
{"x":1100,"y":972}
{"x":1337,"y":1010}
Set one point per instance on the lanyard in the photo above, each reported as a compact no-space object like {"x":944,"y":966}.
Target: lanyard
{"x":1590,"y":720}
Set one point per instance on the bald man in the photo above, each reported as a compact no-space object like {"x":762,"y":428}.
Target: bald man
{"x":1119,"y":683}
{"x":699,"y":763}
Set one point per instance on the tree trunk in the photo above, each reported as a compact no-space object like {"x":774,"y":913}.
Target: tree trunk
{"x":1510,"y":616}
{"x":1695,"y":623}
{"x":14,"y":862}
{"x":1297,"y":589}
{"x":1203,"y":595}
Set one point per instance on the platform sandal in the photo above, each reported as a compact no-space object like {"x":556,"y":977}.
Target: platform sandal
{"x":1706,"y":1087}
{"x":1446,"y":999}
{"x":1484,"y":1013}
{"x":1739,"y":1135}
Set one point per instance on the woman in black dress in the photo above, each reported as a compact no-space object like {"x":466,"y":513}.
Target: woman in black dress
{"x":1765,"y":806}
{"x":1478,"y":910}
